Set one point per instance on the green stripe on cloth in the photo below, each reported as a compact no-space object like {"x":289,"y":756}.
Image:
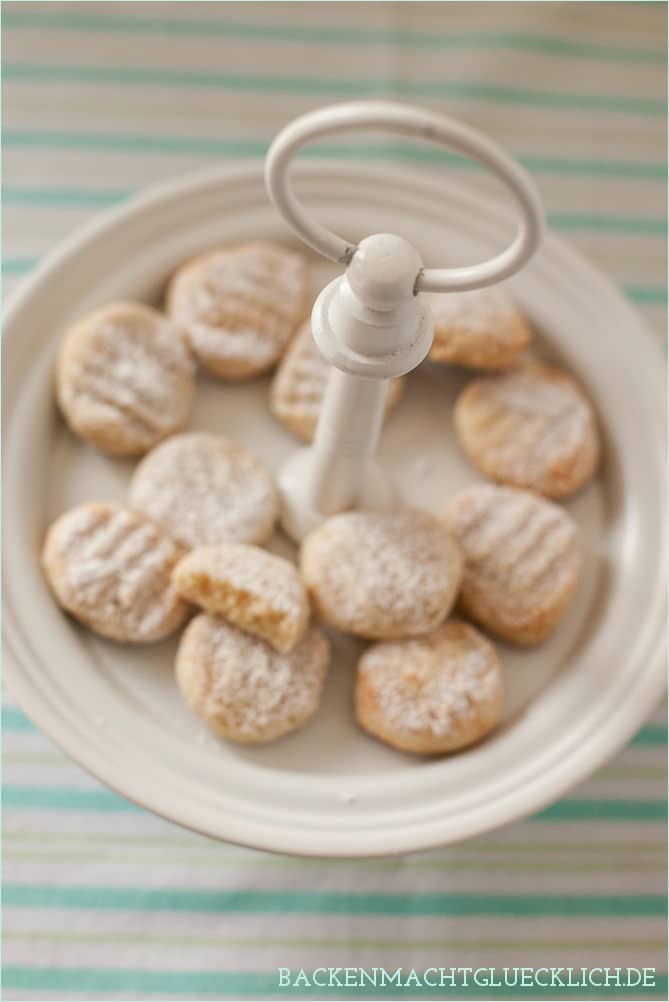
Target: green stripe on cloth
{"x":259,"y":985}
{"x":291,"y":902}
{"x":331,"y":35}
{"x":57,"y":197}
{"x":307,"y":942}
{"x":18,"y":265}
{"x":633,"y":225}
{"x":486,"y":845}
{"x":652,"y":734}
{"x":204,"y":146}
{"x":605,"y":810}
{"x":644,"y":294}
{"x":55,"y":798}
{"x":14,"y":719}
{"x":139,"y":76}
{"x":215,"y":861}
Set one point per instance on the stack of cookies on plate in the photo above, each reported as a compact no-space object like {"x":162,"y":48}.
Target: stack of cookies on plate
{"x":253,"y":659}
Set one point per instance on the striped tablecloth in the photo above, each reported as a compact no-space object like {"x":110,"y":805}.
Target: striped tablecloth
{"x":104,"y":901}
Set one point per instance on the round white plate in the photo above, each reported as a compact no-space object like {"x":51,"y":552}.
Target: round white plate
{"x":329,"y":789}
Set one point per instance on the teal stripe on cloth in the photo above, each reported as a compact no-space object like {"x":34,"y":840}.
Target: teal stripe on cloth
{"x":57,"y":798}
{"x":14,"y":719}
{"x":644,"y":294}
{"x":54,"y":798}
{"x":583,"y":221}
{"x":331,"y":35}
{"x":329,"y":902}
{"x":18,"y":265}
{"x":139,"y":76}
{"x":260,"y":985}
{"x":58,"y":197}
{"x":651,"y":734}
{"x":605,"y":810}
{"x":13,"y":138}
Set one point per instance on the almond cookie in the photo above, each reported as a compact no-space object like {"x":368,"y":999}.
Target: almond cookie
{"x":298,"y":388}
{"x":382,"y":574}
{"x":532,"y":427}
{"x":125,"y":378}
{"x":433,"y":694}
{"x":244,"y":689}
{"x":522,"y":560}
{"x":111,"y":569}
{"x":204,"y":489}
{"x":481,"y":328}
{"x":255,"y":590}
{"x":239,"y":306}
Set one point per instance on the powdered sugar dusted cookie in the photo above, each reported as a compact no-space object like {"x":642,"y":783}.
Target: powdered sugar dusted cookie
{"x":111,"y":569}
{"x":522,"y":560}
{"x":125,"y":378}
{"x":244,"y":689}
{"x":481,"y":328}
{"x":205,"y":489}
{"x":239,"y":306}
{"x":532,"y":427}
{"x":255,"y":590}
{"x":298,"y":388}
{"x":382,"y":574}
{"x":431,"y":694}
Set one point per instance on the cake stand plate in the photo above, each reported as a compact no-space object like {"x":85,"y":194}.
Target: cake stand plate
{"x":330,"y":790}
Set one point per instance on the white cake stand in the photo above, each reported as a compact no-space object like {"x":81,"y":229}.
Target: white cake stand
{"x":329,"y":789}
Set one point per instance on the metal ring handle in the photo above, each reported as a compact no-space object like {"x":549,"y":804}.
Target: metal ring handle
{"x":408,"y":121}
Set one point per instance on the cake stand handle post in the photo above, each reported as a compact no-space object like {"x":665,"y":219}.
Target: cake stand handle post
{"x":371,"y":324}
{"x":372,"y":327}
{"x":346,"y":438}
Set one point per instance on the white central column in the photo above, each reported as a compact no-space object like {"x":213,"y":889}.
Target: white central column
{"x":372,"y":327}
